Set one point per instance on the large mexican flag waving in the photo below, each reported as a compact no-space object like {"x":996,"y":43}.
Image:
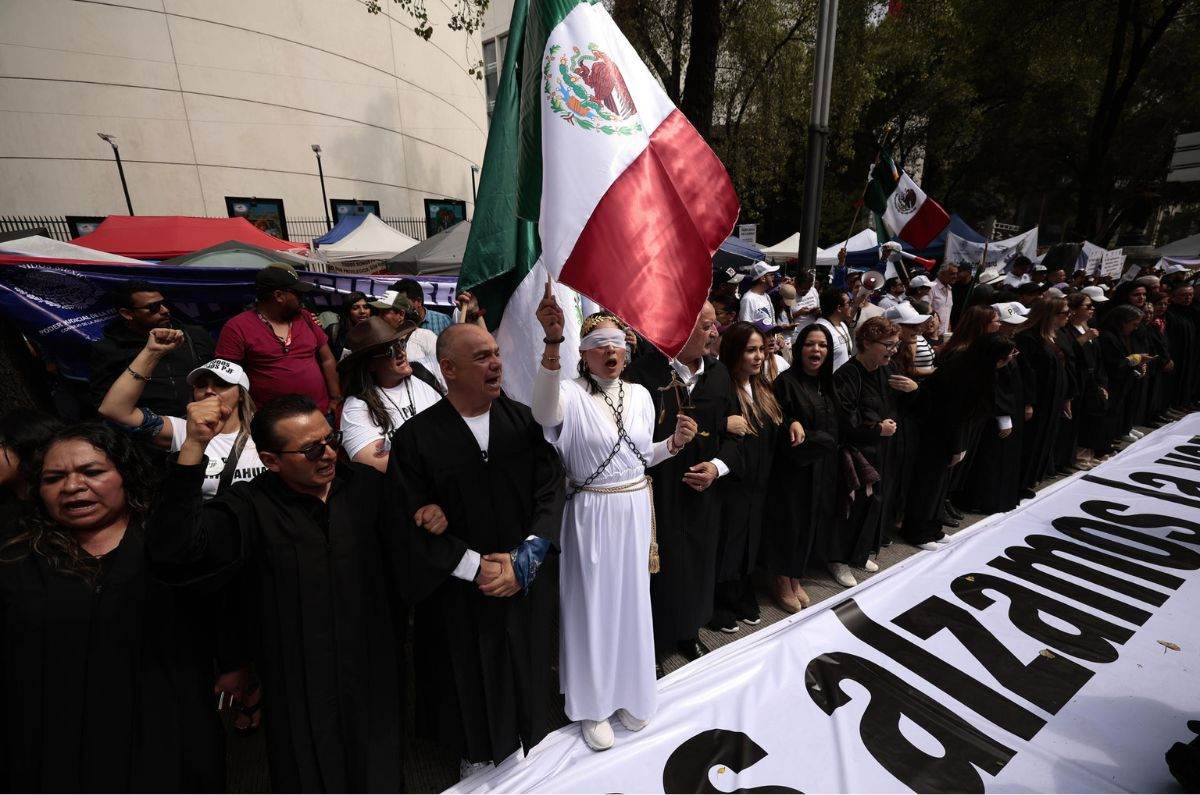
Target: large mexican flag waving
{"x":594,"y":177}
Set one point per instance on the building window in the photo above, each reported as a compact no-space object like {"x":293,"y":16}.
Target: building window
{"x":493,"y":62}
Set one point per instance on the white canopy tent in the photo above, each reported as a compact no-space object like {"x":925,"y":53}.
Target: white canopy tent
{"x":373,"y":239}
{"x":49,"y":248}
{"x":788,"y":248}
{"x":1186,"y":248}
{"x":863,"y":241}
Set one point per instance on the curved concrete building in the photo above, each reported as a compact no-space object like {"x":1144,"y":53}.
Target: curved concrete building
{"x":210,"y":99}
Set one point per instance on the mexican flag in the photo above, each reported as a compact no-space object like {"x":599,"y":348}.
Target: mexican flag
{"x":904,"y":209}
{"x":593,"y":177}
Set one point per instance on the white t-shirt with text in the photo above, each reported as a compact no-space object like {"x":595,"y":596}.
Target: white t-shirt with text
{"x":248,"y":464}
{"x":403,"y":402}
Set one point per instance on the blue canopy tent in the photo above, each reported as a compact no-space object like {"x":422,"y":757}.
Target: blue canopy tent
{"x":348,"y":223}
{"x":935,"y":250}
{"x":736,"y":253}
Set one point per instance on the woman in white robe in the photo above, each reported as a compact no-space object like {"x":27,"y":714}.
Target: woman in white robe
{"x":602,"y":428}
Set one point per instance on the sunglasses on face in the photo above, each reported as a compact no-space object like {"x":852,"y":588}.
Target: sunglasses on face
{"x":393,"y":351}
{"x":153,"y":308}
{"x":314,"y":451}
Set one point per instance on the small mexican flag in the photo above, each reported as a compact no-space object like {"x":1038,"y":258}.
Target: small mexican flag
{"x":594,"y":177}
{"x":904,"y":209}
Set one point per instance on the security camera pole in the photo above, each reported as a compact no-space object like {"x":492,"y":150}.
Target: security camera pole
{"x":111,"y":140}
{"x":818,"y":132}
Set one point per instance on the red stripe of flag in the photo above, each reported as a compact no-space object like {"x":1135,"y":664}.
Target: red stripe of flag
{"x":646,"y":251}
{"x":928,"y":222}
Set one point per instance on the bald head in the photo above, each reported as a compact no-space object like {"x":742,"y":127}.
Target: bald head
{"x":470,"y":362}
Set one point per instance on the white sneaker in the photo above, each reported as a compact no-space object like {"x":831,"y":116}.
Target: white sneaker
{"x":945,"y":539}
{"x":929,"y":546}
{"x":597,"y":734}
{"x":466,"y":769}
{"x":1137,"y":433}
{"x":1129,"y":437}
{"x":630,"y":722}
{"x":841,"y":573}
{"x":871,"y":566}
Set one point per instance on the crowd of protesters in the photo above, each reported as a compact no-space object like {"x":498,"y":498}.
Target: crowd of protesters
{"x":267,"y":521}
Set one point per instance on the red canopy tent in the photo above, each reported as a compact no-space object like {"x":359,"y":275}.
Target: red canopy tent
{"x":165,"y":236}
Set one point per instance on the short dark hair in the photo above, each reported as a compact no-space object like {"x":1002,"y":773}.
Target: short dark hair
{"x":411,"y":289}
{"x":122,"y":294}
{"x":1022,"y":261}
{"x":831,"y":299}
{"x":262,"y":427}
{"x":25,"y":431}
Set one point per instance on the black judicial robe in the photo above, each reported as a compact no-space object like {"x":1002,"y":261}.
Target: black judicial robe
{"x":743,"y":494}
{"x":484,"y":686}
{"x":105,"y":687}
{"x":682,"y":592}
{"x":1063,"y":454}
{"x":993,"y":483}
{"x":324,"y":627}
{"x":803,"y":484}
{"x":1183,"y":340}
{"x":1115,"y":350}
{"x":1045,"y":377}
{"x":863,"y":399}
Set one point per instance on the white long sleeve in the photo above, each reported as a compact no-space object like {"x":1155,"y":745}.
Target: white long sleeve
{"x":659,"y":452}
{"x":547,"y":398}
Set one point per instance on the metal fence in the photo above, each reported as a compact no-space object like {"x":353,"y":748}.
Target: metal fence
{"x":56,"y":225}
{"x":302,"y":229}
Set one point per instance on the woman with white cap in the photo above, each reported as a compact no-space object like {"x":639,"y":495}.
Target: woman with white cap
{"x":231,"y":454}
{"x":603,"y":429}
{"x":220,"y":387}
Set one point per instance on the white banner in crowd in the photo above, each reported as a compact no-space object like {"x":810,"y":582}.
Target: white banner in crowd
{"x":1055,"y":648}
{"x":999,"y":252}
{"x":1112,"y":263}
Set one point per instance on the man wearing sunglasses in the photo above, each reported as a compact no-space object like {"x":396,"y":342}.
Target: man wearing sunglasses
{"x":313,"y":543}
{"x":141,"y":308}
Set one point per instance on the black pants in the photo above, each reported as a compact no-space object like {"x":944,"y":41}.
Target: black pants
{"x":734,"y":600}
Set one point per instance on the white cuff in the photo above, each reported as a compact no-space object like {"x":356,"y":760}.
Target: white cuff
{"x":722,"y":467}
{"x":466,"y":568}
{"x":1004,"y":422}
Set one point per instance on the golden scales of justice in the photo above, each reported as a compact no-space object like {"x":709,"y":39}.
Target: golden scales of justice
{"x":676,"y":385}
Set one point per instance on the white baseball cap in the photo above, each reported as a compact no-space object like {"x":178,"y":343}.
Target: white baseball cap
{"x":761,"y":269}
{"x":919,"y":281}
{"x":227,"y":371}
{"x":1054,"y":292}
{"x":1012,"y":312}
{"x":990,"y":276}
{"x":1095,"y":292}
{"x":905,"y":314}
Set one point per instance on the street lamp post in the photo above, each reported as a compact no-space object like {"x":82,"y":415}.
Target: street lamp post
{"x":111,"y":140}
{"x":321,"y":172}
{"x":818,"y":132}
{"x":474,"y":171}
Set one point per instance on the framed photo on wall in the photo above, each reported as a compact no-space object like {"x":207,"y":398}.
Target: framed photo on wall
{"x":442,"y":214}
{"x":340,"y":208}
{"x":266,"y":214}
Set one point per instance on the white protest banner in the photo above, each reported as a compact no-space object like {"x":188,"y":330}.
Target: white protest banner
{"x":1112,"y":263}
{"x":748,"y":233}
{"x":1054,"y":648}
{"x":999,"y":252}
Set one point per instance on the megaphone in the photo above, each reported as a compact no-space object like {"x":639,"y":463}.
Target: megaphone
{"x":871,"y":281}
{"x":924,"y":263}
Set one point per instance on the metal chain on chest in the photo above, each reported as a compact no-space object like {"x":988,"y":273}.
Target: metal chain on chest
{"x":622,"y":436}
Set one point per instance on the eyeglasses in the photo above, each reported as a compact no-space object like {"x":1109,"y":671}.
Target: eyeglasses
{"x":889,"y":346}
{"x":393,"y":351}
{"x":314,"y":451}
{"x":154,"y":307}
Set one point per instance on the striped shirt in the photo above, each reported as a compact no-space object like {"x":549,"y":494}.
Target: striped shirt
{"x":923,"y":357}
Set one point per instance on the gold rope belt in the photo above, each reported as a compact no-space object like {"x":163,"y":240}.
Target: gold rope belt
{"x":646,"y":482}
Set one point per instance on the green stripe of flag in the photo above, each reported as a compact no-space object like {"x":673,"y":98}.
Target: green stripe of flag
{"x":883,"y":182}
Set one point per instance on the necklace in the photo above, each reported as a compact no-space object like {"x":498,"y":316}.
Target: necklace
{"x":284,"y":342}
{"x":412,"y":408}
